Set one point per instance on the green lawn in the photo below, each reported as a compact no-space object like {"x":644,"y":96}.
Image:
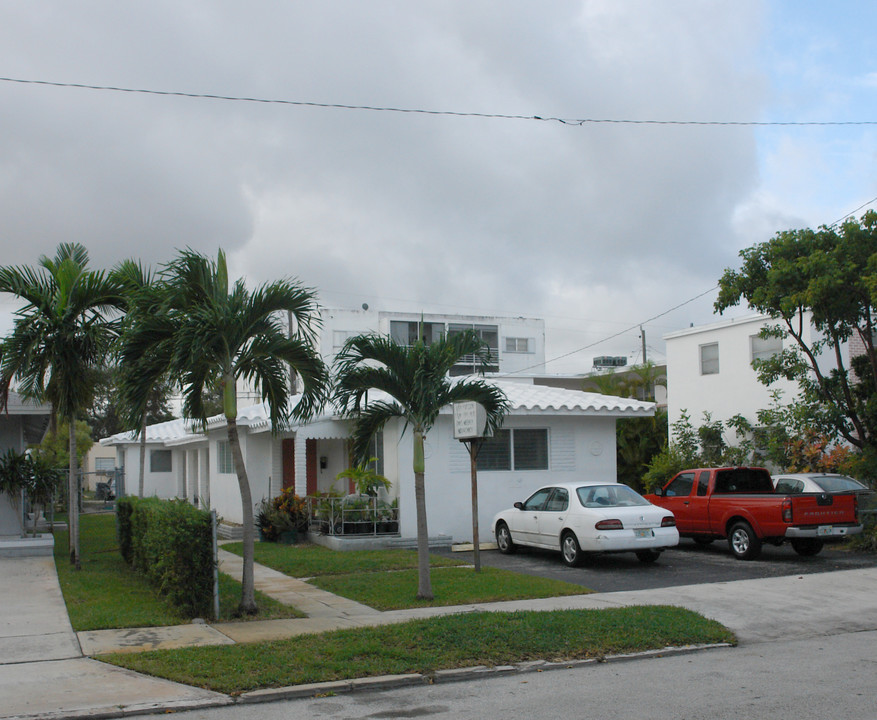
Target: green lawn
{"x":428,"y":645}
{"x":450,"y":586}
{"x":387,"y":579}
{"x":106,"y":593}
{"x":313,"y":560}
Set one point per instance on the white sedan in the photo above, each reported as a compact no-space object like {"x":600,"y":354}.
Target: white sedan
{"x":577,"y":518}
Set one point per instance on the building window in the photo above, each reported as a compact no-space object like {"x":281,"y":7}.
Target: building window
{"x":404,"y":332}
{"x":224,"y":460}
{"x":521,"y":449}
{"x":339,"y":337}
{"x":764,"y":348}
{"x":104,"y":464}
{"x":519,"y":345}
{"x":709,"y":359}
{"x":490,"y":335}
{"x":160,"y":461}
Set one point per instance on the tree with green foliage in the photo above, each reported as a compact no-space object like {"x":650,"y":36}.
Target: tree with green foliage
{"x":66,"y":328}
{"x":415,"y":379}
{"x":55,"y":446}
{"x":205,"y":327}
{"x":637,"y":440}
{"x":828,"y":277}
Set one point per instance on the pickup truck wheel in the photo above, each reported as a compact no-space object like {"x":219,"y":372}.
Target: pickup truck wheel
{"x":504,"y":539}
{"x":647,"y":556}
{"x":807,"y":546}
{"x":743,"y":542}
{"x":570,"y":550}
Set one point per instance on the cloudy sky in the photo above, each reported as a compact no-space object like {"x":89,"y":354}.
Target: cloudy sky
{"x":595,"y":227}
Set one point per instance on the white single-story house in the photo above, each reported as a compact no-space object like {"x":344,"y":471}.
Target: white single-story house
{"x":550,"y":435}
{"x":23,"y":423}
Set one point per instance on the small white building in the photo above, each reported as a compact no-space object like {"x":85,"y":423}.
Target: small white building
{"x":550,"y":435}
{"x":709,"y":369}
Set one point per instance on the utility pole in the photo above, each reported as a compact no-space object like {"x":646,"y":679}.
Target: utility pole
{"x":642,"y":334}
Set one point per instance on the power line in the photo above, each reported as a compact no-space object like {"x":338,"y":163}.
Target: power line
{"x":622,"y":332}
{"x":450,"y":113}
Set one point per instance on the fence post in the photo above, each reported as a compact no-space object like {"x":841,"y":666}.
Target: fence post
{"x":215,"y":566}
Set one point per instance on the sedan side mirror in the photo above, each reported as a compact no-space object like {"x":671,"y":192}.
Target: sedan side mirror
{"x":519,"y":505}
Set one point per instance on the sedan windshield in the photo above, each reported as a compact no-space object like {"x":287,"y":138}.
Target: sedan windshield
{"x":595,"y":496}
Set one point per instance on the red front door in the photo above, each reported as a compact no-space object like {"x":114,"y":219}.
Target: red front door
{"x":288,"y":447}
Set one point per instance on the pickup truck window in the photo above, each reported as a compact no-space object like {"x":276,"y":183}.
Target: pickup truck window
{"x":743,"y":480}
{"x":680,"y":486}
{"x":703,"y":482}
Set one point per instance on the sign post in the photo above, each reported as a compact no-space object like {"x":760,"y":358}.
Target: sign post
{"x":470,"y":419}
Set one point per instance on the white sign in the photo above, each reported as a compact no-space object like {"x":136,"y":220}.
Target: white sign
{"x":469,"y":420}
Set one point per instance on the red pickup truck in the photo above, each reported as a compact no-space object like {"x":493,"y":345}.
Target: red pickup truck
{"x":740,"y":504}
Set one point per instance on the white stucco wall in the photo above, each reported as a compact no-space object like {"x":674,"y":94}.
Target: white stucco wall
{"x":735,"y":388}
{"x":579,"y":448}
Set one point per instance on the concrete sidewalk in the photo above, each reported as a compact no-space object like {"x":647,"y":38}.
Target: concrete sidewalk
{"x":44,"y":672}
{"x":42,"y":669}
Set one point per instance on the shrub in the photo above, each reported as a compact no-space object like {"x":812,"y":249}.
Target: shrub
{"x":171,"y":543}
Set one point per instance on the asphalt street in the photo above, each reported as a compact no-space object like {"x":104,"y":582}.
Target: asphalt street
{"x":813,"y":679}
{"x":687,"y":564}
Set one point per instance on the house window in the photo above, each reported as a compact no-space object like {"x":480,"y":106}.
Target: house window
{"x":709,"y":359}
{"x":160,"y":461}
{"x":764,"y":348}
{"x":376,"y":451}
{"x":521,"y":449}
{"x":519,"y":345}
{"x":224,"y":460}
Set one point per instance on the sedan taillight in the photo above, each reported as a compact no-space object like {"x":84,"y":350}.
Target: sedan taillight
{"x":609,"y":525}
{"x":668,"y":521}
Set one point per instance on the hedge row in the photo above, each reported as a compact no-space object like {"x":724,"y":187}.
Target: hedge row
{"x":171,"y":543}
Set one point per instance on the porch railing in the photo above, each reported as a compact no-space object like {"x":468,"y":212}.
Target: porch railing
{"x":352,"y":515}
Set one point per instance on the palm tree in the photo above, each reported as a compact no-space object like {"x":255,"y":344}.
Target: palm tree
{"x":63,"y":332}
{"x":416,"y":379}
{"x":141,"y":373}
{"x":203,"y":329}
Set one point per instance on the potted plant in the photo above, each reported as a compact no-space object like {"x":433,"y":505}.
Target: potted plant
{"x":365,"y":479}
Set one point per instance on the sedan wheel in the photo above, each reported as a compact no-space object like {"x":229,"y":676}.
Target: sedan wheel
{"x":647,"y":556}
{"x":504,"y":539}
{"x":569,"y":548}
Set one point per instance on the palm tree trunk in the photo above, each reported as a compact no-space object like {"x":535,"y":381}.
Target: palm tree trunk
{"x":140,"y":482}
{"x":424,"y":584}
{"x":248,"y":596}
{"x":73,"y":498}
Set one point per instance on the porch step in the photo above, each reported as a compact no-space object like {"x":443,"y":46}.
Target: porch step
{"x":410,"y":543}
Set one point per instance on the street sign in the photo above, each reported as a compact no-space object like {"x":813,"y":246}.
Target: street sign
{"x":469,"y":420}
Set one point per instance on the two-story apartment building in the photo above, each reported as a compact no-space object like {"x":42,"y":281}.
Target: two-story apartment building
{"x":709,"y":368}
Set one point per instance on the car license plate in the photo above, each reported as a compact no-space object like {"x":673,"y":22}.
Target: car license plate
{"x":824,"y":530}
{"x":643,"y":533}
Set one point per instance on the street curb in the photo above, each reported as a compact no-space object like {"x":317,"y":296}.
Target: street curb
{"x":380,"y":682}
{"x":477,"y":672}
